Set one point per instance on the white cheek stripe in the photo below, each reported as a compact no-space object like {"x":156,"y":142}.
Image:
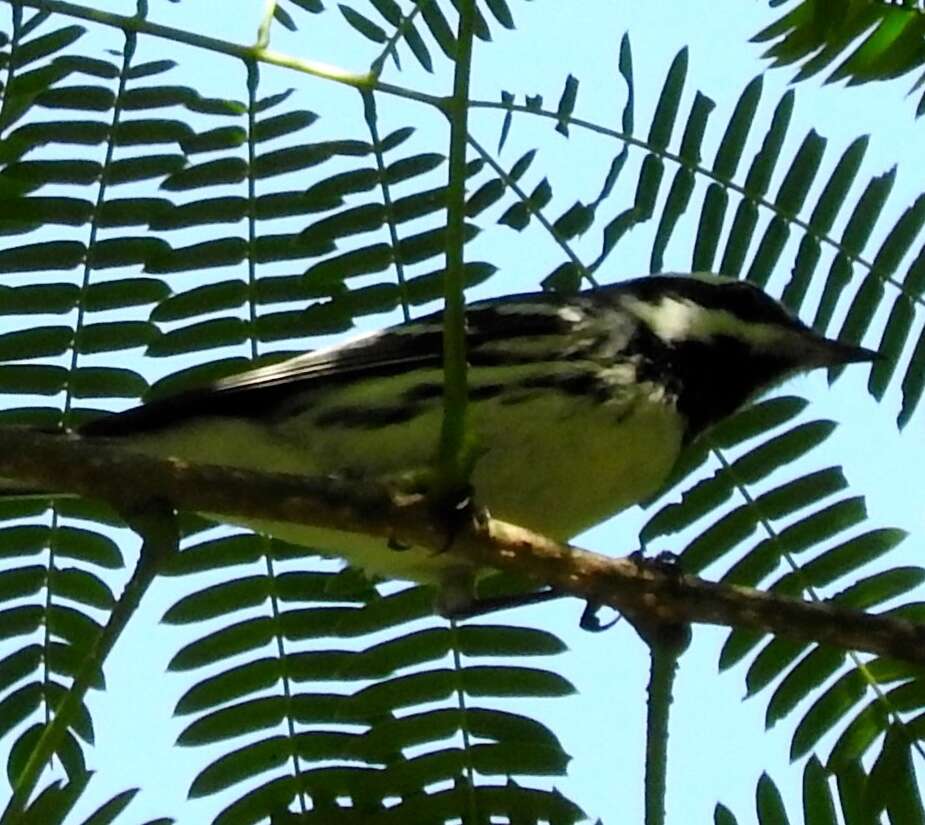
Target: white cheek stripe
{"x":675,"y":319}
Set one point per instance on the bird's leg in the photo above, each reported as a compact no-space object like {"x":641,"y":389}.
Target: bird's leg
{"x":590,"y":622}
{"x":456,"y":604}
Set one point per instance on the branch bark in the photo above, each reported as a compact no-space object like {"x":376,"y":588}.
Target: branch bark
{"x":647,"y":594}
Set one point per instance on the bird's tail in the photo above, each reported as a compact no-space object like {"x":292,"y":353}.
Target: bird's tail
{"x":11,"y":490}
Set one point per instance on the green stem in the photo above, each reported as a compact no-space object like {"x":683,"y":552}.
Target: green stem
{"x":455,"y":392}
{"x":470,"y":802}
{"x":361,"y":80}
{"x":202,"y":41}
{"x":372,"y":121}
{"x":263,"y":31}
{"x":664,"y":667}
{"x":159,"y":529}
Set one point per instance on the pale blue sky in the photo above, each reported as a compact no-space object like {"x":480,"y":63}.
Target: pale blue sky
{"x":718,"y":747}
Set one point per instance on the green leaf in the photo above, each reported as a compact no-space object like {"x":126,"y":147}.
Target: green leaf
{"x":80,"y":132}
{"x":732,"y":144}
{"x":69,"y":752}
{"x":417,"y":248}
{"x":38,"y":379}
{"x":155,"y":97}
{"x":769,"y":803}
{"x":880,"y":587}
{"x":284,"y":18}
{"x":46,"y":44}
{"x":214,"y":140}
{"x":216,"y":332}
{"x":367,"y":217}
{"x":109,"y":811}
{"x":298,"y":158}
{"x":121,"y":252}
{"x":130,"y":170}
{"x":123,"y":292}
{"x":88,"y":546}
{"x":818,"y":806}
{"x":812,"y":671}
{"x":439,"y":28}
{"x":412,"y":166}
{"x":826,"y":711}
{"x":106,"y":382}
{"x":149,"y":131}
{"x":209,"y":173}
{"x":149,"y":69}
{"x":131,"y":211}
{"x":245,"y":636}
{"x":679,"y":195}
{"x":801,"y":174}
{"x":500,"y":640}
{"x":723,"y":816}
{"x":892,"y":344}
{"x":227,"y":209}
{"x":781,"y":450}
{"x":226,"y":686}
{"x":363,"y":25}
{"x":78,"y":98}
{"x":92,"y":66}
{"x":891,"y":784}
{"x":709,"y":230}
{"x":56,"y":255}
{"x":913,"y":382}
{"x":219,"y":600}
{"x":284,"y":124}
{"x":64,"y":211}
{"x":566,"y":104}
{"x":38,"y":299}
{"x":666,"y":110}
{"x":82,"y":586}
{"x":501,"y":12}
{"x":201,"y":300}
{"x":21,"y":581}
{"x":19,"y":621}
{"x":115,"y":335}
{"x":263,"y":713}
{"x":390,"y":10}
{"x":37,"y":173}
{"x":205,"y":255}
{"x":40,"y":342}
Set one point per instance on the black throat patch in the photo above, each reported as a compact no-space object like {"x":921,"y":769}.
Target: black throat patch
{"x":710,"y":379}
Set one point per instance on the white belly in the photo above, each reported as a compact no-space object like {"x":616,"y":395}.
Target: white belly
{"x":557,"y":464}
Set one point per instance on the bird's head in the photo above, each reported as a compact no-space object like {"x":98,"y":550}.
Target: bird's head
{"x":727,"y":340}
{"x":712,"y":310}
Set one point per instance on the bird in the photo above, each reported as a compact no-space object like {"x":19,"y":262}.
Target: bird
{"x":580,"y":405}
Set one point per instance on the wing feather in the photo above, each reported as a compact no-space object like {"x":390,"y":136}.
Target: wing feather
{"x":408,"y":346}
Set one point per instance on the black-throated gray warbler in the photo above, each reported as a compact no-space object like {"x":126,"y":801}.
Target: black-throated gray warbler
{"x":580,"y":403}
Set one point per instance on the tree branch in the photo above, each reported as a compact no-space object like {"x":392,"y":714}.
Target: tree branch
{"x":645,"y":593}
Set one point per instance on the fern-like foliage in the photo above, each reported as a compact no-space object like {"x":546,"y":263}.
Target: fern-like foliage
{"x":859,"y":41}
{"x":142,"y":215}
{"x":857,"y":795}
{"x":408,"y":689}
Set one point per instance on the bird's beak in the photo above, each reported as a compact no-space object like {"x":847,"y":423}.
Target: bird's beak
{"x":831,"y":353}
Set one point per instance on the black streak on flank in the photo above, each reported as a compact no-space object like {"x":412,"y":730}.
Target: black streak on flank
{"x":432,"y":391}
{"x":425,"y":391}
{"x":584,"y":383}
{"x":367,"y":418}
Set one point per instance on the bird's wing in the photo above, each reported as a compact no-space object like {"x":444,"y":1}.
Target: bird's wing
{"x":398,"y":349}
